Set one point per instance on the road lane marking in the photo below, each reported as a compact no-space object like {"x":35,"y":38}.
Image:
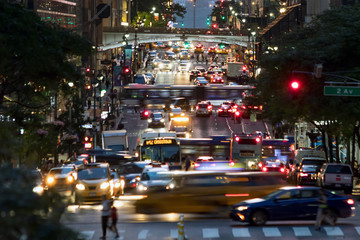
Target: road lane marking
{"x":302,"y":231}
{"x":143,"y":234}
{"x":241,"y":232}
{"x":333,"y":231}
{"x":210,"y":233}
{"x":174,"y":233}
{"x":271,"y":232}
{"x":358,"y":230}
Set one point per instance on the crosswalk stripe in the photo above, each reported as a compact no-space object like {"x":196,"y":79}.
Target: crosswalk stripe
{"x":174,"y":233}
{"x":241,"y":232}
{"x":357,"y":230}
{"x":210,"y":233}
{"x":143,"y":234}
{"x":302,"y":231}
{"x":86,"y":235}
{"x":333,"y":231}
{"x":271,"y":232}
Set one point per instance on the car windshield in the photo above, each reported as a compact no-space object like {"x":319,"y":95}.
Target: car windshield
{"x":60,"y":171}
{"x":310,"y":168}
{"x":92,"y":173}
{"x":176,"y":110}
{"x":161,"y":175}
{"x":273,"y":194}
{"x":157,"y":115}
{"x":203,"y":105}
{"x":166,"y":62}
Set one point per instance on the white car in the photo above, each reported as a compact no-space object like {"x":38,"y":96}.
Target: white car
{"x":165,"y":65}
{"x":155,"y":178}
{"x":184,"y":66}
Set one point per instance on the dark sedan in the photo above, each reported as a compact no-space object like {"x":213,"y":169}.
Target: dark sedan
{"x":224,"y":110}
{"x":131,"y":171}
{"x":308,"y":174}
{"x":291,"y":203}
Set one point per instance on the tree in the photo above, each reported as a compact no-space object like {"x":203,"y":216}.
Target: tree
{"x":32,"y":70}
{"x":26,"y":214}
{"x":330,"y":39}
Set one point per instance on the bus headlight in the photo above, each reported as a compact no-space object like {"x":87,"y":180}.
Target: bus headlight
{"x":80,"y":186}
{"x":104,"y":185}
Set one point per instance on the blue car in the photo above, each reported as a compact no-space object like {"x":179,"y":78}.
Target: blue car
{"x":291,"y":203}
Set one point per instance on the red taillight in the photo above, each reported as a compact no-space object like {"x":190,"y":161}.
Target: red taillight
{"x":220,"y":110}
{"x":350,"y":201}
{"x":258,"y":139}
{"x":243,"y":107}
{"x":282,"y":170}
{"x":196,"y":165}
{"x":260,"y":165}
{"x":237,"y":113}
{"x":222,"y":80}
{"x":197,"y":107}
{"x":209,"y":107}
{"x":146,"y":113}
{"x":264,"y":169}
{"x":261,"y":107}
{"x":303,"y":174}
{"x":237,"y":139}
{"x":231,"y":163}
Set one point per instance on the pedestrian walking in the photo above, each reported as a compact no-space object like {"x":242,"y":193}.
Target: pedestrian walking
{"x":105,"y":214}
{"x":321,"y":212}
{"x":114,"y":218}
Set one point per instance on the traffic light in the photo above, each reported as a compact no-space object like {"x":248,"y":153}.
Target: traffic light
{"x":214,"y":26}
{"x":88,"y":142}
{"x":223,"y":17}
{"x":295,"y":85}
{"x":208,"y":21}
{"x":126,"y":70}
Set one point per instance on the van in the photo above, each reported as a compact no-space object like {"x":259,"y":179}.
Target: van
{"x":336,"y":176}
{"x":318,"y":161}
{"x":301,"y":153}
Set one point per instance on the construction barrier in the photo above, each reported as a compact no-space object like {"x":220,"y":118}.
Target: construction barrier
{"x":181,"y":234}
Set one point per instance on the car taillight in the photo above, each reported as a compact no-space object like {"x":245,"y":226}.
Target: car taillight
{"x":209,"y":107}
{"x":243,"y":107}
{"x":237,"y":113}
{"x":264,"y":169}
{"x":350,"y":201}
{"x":303,"y":174}
{"x":282,"y":170}
{"x":196,"y":165}
{"x":261,"y":107}
{"x":222,"y":80}
{"x":260,"y":164}
{"x":220,"y":110}
{"x":231,"y":163}
{"x":197,"y":107}
{"x":146,"y":113}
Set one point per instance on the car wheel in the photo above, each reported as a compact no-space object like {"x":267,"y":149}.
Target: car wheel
{"x":258,"y":218}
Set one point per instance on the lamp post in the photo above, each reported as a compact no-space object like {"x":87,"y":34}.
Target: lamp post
{"x":100,"y":78}
{"x":253,"y":33}
{"x":194,"y":4}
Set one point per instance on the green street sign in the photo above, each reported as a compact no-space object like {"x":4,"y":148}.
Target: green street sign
{"x":342,"y":91}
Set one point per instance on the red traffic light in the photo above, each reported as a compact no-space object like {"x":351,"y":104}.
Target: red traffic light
{"x":295,"y":85}
{"x":126,"y":70}
{"x":87,"y":70}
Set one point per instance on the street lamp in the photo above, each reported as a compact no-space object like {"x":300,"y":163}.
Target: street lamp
{"x":194,"y":10}
{"x":253,"y":33}
{"x":100,"y":78}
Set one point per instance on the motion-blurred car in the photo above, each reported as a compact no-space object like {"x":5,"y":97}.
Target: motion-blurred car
{"x":199,"y":48}
{"x":156,"y":178}
{"x":180,"y":102}
{"x":201,"y":69}
{"x":141,"y":79}
{"x":156,"y":119}
{"x":131,"y":171}
{"x":170,"y":55}
{"x":274,"y":166}
{"x":38,"y":178}
{"x":184,"y":55}
{"x":292,"y":203}
{"x":151,"y":78}
{"x":217,"y":79}
{"x":156,"y":63}
{"x":212,"y":50}
{"x":248,"y":107}
{"x":165,"y":65}
{"x":175,"y":113}
{"x":184,"y":66}
{"x":196,"y":81}
{"x":202,"y":82}
{"x":210,"y":74}
{"x":224,"y":110}
{"x":194,"y":74}
{"x":61,"y":179}
{"x":307,"y":174}
{"x":203,"y":108}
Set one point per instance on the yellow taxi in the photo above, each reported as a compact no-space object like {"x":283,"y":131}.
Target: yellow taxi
{"x":94,"y":180}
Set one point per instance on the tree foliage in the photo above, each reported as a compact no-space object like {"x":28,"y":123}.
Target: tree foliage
{"x":27,"y":215}
{"x":330,"y":39}
{"x":36,"y":63}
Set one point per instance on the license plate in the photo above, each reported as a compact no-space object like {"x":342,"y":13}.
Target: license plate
{"x":92,"y":194}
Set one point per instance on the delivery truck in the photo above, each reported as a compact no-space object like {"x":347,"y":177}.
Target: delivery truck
{"x":115,"y":139}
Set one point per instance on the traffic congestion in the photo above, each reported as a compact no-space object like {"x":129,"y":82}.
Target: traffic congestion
{"x":120,"y":121}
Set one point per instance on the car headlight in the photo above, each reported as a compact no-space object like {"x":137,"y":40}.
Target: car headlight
{"x":80,"y":186}
{"x":149,"y":120}
{"x":50,"y":180}
{"x":38,"y":189}
{"x":104,"y":185}
{"x":171,"y":114}
{"x":142,"y":188}
{"x":162,"y":120}
{"x":161,"y":65}
{"x":172,"y":106}
{"x":242,"y":208}
{"x":69,"y":179}
{"x":122,"y":182}
{"x":163,"y":106}
{"x":134,"y":180}
{"x":170,"y":186}
{"x":117,"y":185}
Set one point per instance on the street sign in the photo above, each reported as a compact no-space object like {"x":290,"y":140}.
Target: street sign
{"x":342,"y":91}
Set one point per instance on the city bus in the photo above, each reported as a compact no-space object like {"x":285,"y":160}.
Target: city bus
{"x":216,"y":146}
{"x":246,"y":151}
{"x":161,"y":147}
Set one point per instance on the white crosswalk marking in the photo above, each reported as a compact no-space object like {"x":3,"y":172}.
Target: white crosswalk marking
{"x":302,"y":231}
{"x":241,"y":232}
{"x":86,"y":235}
{"x":210,"y":233}
{"x":333,"y":231}
{"x":271,"y":232}
{"x":143,"y":234}
{"x":357,"y":230}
